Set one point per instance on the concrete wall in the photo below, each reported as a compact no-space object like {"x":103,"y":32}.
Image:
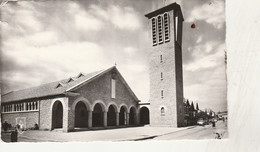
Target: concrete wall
{"x":30,"y":117}
{"x":46,"y":112}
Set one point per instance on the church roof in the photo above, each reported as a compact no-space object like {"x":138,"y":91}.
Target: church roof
{"x":172,"y":6}
{"x":61,"y":87}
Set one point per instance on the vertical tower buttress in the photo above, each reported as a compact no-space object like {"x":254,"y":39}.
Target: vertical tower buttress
{"x":165,"y":66}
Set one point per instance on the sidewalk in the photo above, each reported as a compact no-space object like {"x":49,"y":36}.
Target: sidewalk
{"x":120,"y":134}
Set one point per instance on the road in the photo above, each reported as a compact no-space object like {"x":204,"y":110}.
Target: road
{"x":198,"y":132}
{"x":123,"y":134}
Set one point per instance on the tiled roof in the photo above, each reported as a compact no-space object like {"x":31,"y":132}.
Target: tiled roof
{"x":51,"y":89}
{"x":59,"y":87}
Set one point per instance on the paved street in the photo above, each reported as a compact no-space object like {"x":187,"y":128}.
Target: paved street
{"x":119,"y":134}
{"x":198,"y":132}
{"x":123,"y":134}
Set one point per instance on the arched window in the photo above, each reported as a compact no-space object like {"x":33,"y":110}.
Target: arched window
{"x":176,"y":27}
{"x":166,"y":27}
{"x":113,"y":88}
{"x":160,"y":29}
{"x":36,"y":105}
{"x":32,"y":105}
{"x":162,"y":111}
{"x":161,"y":93}
{"x":154,"y":31}
{"x":29,"y":106}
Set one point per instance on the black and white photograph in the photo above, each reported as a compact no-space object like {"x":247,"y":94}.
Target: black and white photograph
{"x":113,"y":70}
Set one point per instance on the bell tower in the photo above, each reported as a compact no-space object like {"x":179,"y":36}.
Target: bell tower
{"x":165,"y":66}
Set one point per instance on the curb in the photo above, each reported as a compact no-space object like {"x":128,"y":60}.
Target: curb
{"x":153,"y":136}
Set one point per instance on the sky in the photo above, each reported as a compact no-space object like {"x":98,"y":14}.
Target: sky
{"x":48,"y":41}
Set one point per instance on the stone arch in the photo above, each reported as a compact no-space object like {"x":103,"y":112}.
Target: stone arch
{"x":114,"y":105}
{"x":103,"y":105}
{"x":58,"y":99}
{"x":129,"y":108}
{"x":132,"y":115}
{"x":57,"y":112}
{"x":81,"y":115}
{"x":84,"y":100}
{"x":163,"y":110}
{"x":144,"y":115}
{"x":123,"y":105}
{"x":123,"y":114}
{"x":111,"y":115}
{"x":98,"y":111}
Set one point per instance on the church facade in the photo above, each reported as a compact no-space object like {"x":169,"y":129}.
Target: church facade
{"x":100,"y":99}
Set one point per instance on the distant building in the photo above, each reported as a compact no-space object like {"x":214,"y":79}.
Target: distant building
{"x":99,"y":99}
{"x":166,"y":78}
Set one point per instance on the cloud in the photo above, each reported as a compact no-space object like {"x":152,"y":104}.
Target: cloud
{"x":52,"y":40}
{"x":53,"y":62}
{"x":125,"y":18}
{"x":130,"y":50}
{"x":199,"y":39}
{"x":207,"y":86}
{"x":58,"y":54}
{"x":212,"y":14}
{"x":206,"y":61}
{"x":99,"y":12}
{"x":83,"y":19}
{"x":134,"y":73}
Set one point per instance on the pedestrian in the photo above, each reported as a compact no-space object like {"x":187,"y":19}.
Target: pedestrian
{"x":36,"y":127}
{"x":17,"y":127}
{"x":5,"y":126}
{"x":14,"y":135}
{"x":213,"y":124}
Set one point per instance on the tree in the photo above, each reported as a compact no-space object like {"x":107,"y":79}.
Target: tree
{"x":192,"y":107}
{"x":197,"y":106}
{"x":188,"y":103}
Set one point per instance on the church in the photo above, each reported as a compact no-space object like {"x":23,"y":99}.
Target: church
{"x":103,"y":99}
{"x":100,"y":99}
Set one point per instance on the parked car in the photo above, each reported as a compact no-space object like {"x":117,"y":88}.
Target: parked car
{"x":213,"y":120}
{"x":201,"y":122}
{"x":220,"y":117}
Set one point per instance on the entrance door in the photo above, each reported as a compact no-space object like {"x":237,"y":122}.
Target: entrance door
{"x":122,"y":116}
{"x":132,"y":116}
{"x":97,"y":116}
{"x":57,"y":115}
{"x":144,"y":116}
{"x":111,"y":116}
{"x":81,"y":115}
